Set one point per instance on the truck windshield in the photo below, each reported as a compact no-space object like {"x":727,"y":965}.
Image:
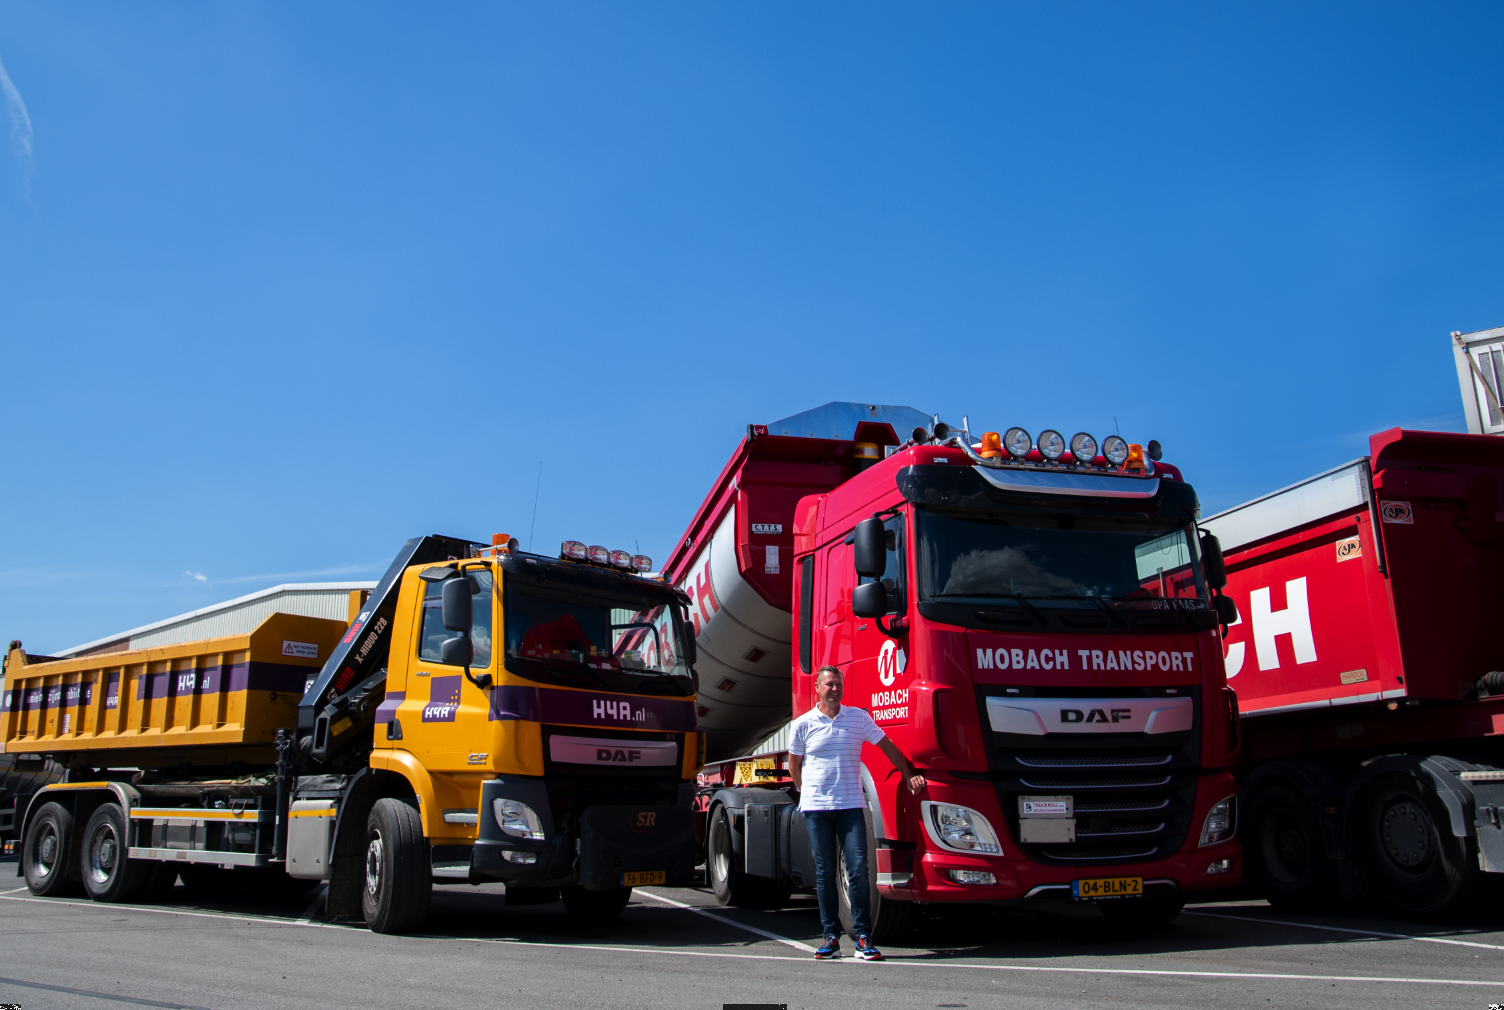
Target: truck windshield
{"x":1054,"y":557}
{"x":624,"y":633}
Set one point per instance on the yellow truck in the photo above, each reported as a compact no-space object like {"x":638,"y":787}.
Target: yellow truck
{"x":485,"y":715}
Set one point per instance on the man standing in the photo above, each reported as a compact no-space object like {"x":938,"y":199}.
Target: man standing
{"x":826,"y":762}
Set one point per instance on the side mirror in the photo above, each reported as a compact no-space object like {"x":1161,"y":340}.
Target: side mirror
{"x":456,"y":651}
{"x":457,"y":612}
{"x":1211,"y":556}
{"x":869,"y":600}
{"x":870,"y":548}
{"x":1227,"y":610}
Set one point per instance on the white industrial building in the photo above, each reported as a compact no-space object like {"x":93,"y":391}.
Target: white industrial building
{"x":233,"y":617}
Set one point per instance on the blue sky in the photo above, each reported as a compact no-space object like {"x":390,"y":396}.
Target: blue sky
{"x":282,"y":285}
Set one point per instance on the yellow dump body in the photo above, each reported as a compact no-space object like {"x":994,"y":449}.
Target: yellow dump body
{"x":210,"y":702}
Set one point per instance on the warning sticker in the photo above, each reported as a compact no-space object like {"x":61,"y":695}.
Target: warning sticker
{"x":1350,"y":548}
{"x":1396,"y":512}
{"x":302,"y":650}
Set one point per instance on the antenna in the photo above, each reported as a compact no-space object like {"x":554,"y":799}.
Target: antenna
{"x":1115,"y":426}
{"x":536,"y":488}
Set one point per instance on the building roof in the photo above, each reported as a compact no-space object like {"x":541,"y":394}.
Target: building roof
{"x":233,"y":617}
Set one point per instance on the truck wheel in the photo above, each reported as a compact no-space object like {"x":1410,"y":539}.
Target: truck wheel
{"x":1404,"y":832}
{"x":731,"y":885}
{"x":109,"y":873}
{"x":891,"y":918}
{"x":1286,"y":851}
{"x":44,"y":854}
{"x":1154,"y":911}
{"x":594,"y":906}
{"x":399,"y":883}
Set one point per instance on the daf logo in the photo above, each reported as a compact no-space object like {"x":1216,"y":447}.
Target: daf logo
{"x":617,"y":755}
{"x":1095,"y":715}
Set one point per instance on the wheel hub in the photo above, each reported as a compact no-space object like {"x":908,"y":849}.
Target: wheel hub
{"x":373,"y":866}
{"x":1407,"y":833}
{"x":46,"y":853}
{"x":1292,"y":846}
{"x":104,"y":850}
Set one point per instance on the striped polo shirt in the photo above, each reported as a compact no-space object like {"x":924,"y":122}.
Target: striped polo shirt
{"x":832,"y":752}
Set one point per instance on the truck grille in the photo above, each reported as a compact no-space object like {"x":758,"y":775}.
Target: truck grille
{"x":1133,"y":794}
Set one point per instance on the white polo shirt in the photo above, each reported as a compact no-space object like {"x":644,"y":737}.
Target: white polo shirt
{"x":832,"y":752}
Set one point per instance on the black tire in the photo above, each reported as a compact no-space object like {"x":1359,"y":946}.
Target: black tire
{"x":730,"y":883}
{"x":1286,"y":851}
{"x":398,"y":879}
{"x":1404,"y":832}
{"x":109,"y":874}
{"x":1152,"y":911}
{"x":44,"y":853}
{"x":590,"y":907}
{"x":891,"y":919}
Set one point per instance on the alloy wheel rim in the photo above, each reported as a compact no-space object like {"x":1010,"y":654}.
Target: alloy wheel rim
{"x":104,"y":853}
{"x":45,"y":852}
{"x":373,"y":866}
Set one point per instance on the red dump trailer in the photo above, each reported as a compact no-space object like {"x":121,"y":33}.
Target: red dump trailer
{"x":1033,"y":626}
{"x":1365,"y":660}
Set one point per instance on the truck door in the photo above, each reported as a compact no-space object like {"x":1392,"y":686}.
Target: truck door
{"x":450,"y":711}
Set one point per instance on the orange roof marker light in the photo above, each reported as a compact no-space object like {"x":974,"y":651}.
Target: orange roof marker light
{"x":992,"y":445}
{"x":1135,"y":459}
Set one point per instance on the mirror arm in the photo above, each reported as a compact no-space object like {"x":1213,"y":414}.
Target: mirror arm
{"x":899,"y":623}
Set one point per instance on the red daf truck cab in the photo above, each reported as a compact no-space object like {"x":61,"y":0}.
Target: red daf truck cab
{"x":1039,"y":634}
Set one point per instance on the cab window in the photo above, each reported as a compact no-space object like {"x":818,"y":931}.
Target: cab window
{"x":893,"y":579}
{"x":433,"y":633}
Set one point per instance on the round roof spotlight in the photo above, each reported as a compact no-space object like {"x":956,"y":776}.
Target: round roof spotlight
{"x":1051,"y":444}
{"x":1083,"y":447}
{"x":1018,"y":442}
{"x":1115,"y":449}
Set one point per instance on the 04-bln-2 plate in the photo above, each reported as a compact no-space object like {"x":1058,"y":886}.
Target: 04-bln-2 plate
{"x":1105,"y":887}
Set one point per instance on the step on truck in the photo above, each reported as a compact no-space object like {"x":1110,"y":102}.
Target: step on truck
{"x":1034,"y":621}
{"x":485,"y":715}
{"x":1367,"y":665}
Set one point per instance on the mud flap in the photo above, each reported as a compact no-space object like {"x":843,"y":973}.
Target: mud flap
{"x":630,"y":839}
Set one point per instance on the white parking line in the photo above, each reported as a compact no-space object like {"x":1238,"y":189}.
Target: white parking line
{"x":730,"y":922}
{"x":261,"y":919}
{"x":13,"y":890}
{"x":1357,"y":932}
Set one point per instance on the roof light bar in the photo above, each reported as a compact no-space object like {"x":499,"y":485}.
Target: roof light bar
{"x":1083,"y":447}
{"x":598,"y":555}
{"x":1018,"y":442}
{"x":642,"y":563}
{"x":573,"y":550}
{"x":1051,"y":444}
{"x":621,"y":559}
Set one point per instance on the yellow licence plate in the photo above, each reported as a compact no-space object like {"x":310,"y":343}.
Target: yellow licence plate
{"x":643,"y":877}
{"x":1107,"y":887}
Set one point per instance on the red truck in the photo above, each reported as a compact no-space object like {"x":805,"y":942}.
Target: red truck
{"x":1031,"y":620}
{"x":1365,"y":662}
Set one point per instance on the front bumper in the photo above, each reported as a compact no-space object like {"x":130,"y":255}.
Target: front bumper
{"x":592,"y":850}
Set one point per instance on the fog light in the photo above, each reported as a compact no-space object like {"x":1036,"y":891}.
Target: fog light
{"x":972,"y":876}
{"x":1220,"y":821}
{"x":514,"y":856}
{"x":517,"y":819}
{"x":1220,"y":866}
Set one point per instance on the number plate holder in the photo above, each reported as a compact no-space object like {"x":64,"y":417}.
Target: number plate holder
{"x":1104,"y":888}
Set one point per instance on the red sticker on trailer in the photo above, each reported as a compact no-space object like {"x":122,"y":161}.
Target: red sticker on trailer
{"x":1396,"y":512}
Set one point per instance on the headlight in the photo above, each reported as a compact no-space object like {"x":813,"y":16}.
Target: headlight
{"x":1115,"y":449}
{"x":518,"y":819}
{"x":959,"y":828}
{"x":1051,"y":444}
{"x":1083,"y":447}
{"x":1221,"y":819}
{"x":1018,"y":442}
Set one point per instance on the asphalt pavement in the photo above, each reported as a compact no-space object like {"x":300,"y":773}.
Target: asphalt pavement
{"x":674,"y":947}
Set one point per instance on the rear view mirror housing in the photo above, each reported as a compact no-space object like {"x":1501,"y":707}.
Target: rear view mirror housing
{"x":1211,"y":557}
{"x":870,"y":599}
{"x":1227,"y":610}
{"x":870,"y":548}
{"x":456,"y":652}
{"x":457,"y":609}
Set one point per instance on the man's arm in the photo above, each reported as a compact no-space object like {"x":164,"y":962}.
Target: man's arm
{"x":796,"y":769}
{"x":913,"y":778}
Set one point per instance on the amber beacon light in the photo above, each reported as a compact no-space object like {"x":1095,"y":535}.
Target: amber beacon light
{"x":992,"y":445}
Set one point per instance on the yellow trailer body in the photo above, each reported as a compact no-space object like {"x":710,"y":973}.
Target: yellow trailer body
{"x":212,"y":701}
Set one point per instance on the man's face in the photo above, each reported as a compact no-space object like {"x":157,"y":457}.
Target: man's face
{"x":830,"y":687}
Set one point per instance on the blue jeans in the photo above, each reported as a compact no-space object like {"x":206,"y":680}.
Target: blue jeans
{"x":848,"y":830}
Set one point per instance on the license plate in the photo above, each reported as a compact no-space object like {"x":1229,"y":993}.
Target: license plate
{"x":1107,"y":887}
{"x":643,"y":877}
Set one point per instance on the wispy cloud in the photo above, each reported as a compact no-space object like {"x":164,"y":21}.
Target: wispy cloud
{"x":370,"y":569}
{"x":20,"y":123}
{"x":200,"y":576}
